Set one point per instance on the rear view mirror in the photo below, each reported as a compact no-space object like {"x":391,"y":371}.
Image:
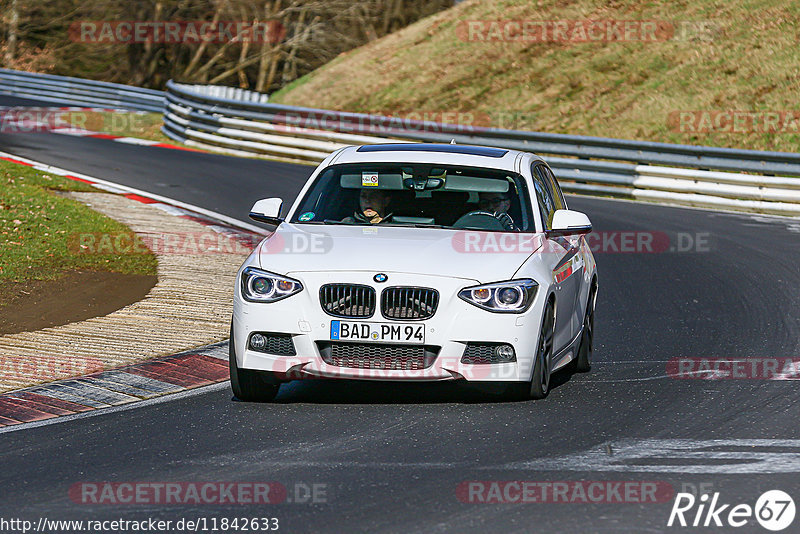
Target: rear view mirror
{"x":568,"y":222}
{"x":267,"y":210}
{"x":422,"y":184}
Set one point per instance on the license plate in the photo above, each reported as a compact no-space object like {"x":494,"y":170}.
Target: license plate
{"x":413,"y":334}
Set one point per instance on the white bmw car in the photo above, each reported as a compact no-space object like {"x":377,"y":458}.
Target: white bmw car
{"x":417,"y":262}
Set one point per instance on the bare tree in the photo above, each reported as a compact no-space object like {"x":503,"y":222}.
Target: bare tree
{"x":13,"y":23}
{"x":306,"y":34}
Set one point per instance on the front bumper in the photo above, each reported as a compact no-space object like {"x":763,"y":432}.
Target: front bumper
{"x":454,"y":324}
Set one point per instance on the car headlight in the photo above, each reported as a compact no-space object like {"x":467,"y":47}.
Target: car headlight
{"x":263,"y":286}
{"x":514,"y":296}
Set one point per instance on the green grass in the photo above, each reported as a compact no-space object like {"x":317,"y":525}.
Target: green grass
{"x":747,"y":61}
{"x":39,"y":231}
{"x":141,"y":125}
{"x":125,"y":124}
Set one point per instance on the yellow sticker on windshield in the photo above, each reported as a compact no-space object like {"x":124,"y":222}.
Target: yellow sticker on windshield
{"x":369,"y":179}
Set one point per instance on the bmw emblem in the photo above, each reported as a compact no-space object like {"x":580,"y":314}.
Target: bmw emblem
{"x":380,"y":278}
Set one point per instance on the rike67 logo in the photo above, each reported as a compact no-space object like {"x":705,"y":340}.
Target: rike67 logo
{"x":774,"y":510}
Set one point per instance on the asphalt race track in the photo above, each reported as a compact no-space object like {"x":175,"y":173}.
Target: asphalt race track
{"x":391,"y":456}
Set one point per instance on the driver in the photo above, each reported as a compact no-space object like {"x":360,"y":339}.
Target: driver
{"x":373,"y":206}
{"x":498,"y":205}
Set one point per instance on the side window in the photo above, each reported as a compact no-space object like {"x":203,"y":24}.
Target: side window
{"x":558,"y":196}
{"x":547,"y":204}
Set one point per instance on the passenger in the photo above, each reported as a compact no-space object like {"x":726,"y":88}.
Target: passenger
{"x":373,"y":205}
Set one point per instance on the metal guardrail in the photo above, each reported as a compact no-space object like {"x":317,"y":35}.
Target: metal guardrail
{"x":230,"y":93}
{"x":684,"y":174}
{"x":244,"y":123}
{"x":80,"y":92}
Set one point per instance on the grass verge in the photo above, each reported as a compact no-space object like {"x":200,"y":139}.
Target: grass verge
{"x":141,"y":125}
{"x":39,"y":232}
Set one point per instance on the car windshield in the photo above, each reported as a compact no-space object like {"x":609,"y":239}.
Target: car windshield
{"x":418,"y":195}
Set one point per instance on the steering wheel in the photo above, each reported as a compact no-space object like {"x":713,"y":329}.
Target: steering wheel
{"x":361,"y":218}
{"x":485,"y":220}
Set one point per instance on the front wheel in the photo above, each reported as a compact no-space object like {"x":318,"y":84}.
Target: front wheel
{"x":540,"y":381}
{"x":539,"y":385}
{"x":248,"y":384}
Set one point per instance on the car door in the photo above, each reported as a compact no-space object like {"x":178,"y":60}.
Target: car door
{"x":574,"y":281}
{"x":560,"y":253}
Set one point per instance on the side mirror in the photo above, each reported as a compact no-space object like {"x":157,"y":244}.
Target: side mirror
{"x":568,"y":222}
{"x":267,"y":210}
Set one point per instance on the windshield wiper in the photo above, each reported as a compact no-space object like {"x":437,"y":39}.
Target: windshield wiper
{"x":349,"y":223}
{"x":326,"y":221}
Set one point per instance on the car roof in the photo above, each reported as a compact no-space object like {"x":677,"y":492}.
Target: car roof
{"x":443,"y":154}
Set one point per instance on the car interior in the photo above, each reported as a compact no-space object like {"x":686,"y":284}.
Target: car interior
{"x":419,"y":196}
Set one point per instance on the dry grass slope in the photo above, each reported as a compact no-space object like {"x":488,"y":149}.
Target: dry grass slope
{"x":748,"y":60}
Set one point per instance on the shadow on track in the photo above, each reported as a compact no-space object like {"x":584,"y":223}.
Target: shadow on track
{"x":324,"y":391}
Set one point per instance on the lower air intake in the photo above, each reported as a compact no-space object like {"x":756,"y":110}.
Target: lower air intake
{"x":388,"y":357}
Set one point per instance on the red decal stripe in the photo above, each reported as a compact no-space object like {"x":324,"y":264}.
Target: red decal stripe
{"x":141,"y":199}
{"x":176,"y":147}
{"x":77,"y":179}
{"x":17,"y":162}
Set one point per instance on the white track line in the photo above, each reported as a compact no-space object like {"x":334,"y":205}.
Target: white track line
{"x":190,"y":207}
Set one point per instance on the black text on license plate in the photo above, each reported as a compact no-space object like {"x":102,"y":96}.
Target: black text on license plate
{"x":378,"y":332}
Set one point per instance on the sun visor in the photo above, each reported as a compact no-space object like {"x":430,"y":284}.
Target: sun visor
{"x":473,"y":184}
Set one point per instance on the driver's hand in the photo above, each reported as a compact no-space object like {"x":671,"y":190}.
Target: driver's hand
{"x":506,"y":220}
{"x":372,"y":216}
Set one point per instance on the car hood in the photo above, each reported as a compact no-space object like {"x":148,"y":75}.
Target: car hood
{"x":481,"y":256}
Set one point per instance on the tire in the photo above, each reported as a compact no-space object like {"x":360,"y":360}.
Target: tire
{"x":583,"y":363}
{"x":540,"y":381}
{"x":539,"y":385}
{"x":249,"y":385}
